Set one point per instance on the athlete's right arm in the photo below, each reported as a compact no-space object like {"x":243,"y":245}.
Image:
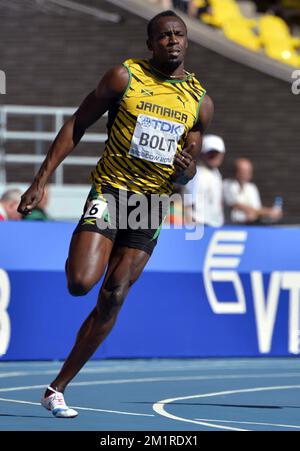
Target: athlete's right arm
{"x":109,"y":89}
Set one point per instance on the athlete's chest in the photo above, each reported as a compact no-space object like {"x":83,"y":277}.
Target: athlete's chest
{"x":157,"y":116}
{"x":161,"y":101}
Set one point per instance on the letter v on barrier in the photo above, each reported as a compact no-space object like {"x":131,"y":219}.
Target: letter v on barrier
{"x":2,"y":82}
{"x":265,"y":307}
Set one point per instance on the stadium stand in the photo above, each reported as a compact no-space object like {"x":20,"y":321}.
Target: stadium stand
{"x":222,"y":11}
{"x":277,"y":40}
{"x":67,"y":51}
{"x":227,"y":15}
{"x":268,"y":32}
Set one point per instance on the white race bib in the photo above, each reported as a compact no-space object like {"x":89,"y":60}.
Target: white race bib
{"x":96,"y":208}
{"x":155,"y":139}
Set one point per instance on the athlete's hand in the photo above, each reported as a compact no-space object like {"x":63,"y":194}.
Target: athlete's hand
{"x":184,"y":164}
{"x":183,"y":160}
{"x":30,"y":199}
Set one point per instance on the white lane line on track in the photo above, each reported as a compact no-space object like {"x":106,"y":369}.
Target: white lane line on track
{"x":159,"y":407}
{"x":135,"y":370}
{"x":13,"y":369}
{"x":155,"y":379}
{"x":100,"y":370}
{"x":115,"y":411}
{"x":208,"y":364}
{"x":17,"y":401}
{"x":291,"y":426}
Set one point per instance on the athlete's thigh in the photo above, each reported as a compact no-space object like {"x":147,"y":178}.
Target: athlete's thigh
{"x":88,"y":257}
{"x":125,"y":266}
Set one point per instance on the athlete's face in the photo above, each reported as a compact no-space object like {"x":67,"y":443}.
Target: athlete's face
{"x":168,"y":41}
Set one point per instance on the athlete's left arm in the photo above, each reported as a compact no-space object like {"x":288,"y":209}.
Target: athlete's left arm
{"x":185,"y":162}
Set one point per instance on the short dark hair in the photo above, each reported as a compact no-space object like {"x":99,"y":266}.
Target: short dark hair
{"x":151,"y":23}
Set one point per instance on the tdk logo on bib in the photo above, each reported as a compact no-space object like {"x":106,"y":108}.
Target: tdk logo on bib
{"x":155,"y":139}
{"x":163,"y":126}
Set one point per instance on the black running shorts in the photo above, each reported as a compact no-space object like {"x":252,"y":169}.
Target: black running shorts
{"x":126,"y":218}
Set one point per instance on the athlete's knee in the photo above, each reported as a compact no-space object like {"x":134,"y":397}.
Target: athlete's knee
{"x":79,"y":285}
{"x":112,"y":299}
{"x":78,"y":289}
{"x":117,"y":294}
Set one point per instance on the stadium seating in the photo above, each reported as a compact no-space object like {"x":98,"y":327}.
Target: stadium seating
{"x":268,"y":33}
{"x":278,"y":41}
{"x":238,"y":31}
{"x":226,"y":14}
{"x":221,"y":11}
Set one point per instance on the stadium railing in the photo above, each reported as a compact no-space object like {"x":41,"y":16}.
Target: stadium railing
{"x":58,"y":115}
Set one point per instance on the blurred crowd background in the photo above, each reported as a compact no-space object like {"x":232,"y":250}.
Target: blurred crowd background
{"x":54,"y":55}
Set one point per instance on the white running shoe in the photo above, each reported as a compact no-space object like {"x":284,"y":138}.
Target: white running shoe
{"x":56,"y":404}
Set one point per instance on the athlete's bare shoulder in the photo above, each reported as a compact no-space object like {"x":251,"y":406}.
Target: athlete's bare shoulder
{"x":207,"y":102}
{"x":113,"y":83}
{"x":206,"y":113}
{"x":110,"y":88}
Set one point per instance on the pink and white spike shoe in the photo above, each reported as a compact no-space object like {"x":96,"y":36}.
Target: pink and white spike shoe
{"x":56,"y":404}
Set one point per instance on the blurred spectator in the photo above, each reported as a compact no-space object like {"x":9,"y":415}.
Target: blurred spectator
{"x":288,"y":10}
{"x":164,"y":4}
{"x":243,"y":199}
{"x":9,"y":202}
{"x":197,"y":7}
{"x":206,"y":187}
{"x":191,"y":7}
{"x":262,"y":6}
{"x":183,"y":5}
{"x":39,"y":213}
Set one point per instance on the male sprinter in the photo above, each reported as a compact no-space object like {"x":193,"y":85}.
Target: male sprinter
{"x":157,"y":115}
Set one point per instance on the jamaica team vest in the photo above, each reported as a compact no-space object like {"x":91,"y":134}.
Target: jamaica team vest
{"x":147,"y":127}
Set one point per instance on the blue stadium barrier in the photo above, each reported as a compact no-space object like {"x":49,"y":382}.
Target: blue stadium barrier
{"x":235,"y":292}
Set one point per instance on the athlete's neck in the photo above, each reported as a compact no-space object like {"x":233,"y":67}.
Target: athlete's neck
{"x":169,"y":71}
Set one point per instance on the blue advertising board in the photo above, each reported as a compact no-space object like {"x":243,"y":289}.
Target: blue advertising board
{"x":234,"y":292}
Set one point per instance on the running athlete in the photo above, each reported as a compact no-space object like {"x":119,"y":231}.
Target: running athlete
{"x":157,"y":113}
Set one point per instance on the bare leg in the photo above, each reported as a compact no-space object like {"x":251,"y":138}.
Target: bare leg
{"x":88,"y":257}
{"x":89,"y":254}
{"x":124,"y":268}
